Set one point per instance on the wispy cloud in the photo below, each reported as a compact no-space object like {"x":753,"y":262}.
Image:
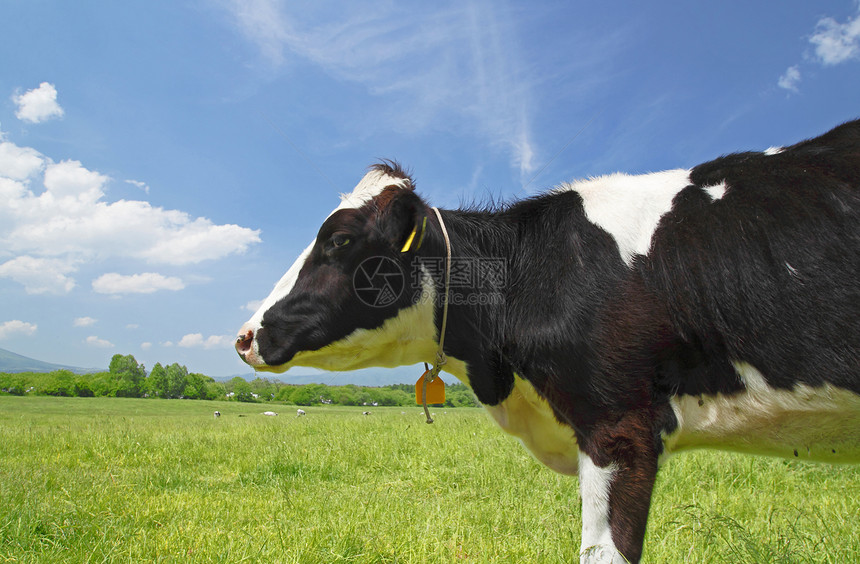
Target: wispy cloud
{"x":198,"y":341}
{"x":452,"y":63}
{"x":833,"y":43}
{"x":142,"y":185}
{"x":16,"y":327}
{"x":146,"y":283}
{"x":94,"y":341}
{"x":836,"y":42}
{"x":790,"y":79}
{"x":84,"y":321}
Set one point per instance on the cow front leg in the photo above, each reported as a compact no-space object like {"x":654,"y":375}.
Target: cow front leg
{"x":615,"y":501}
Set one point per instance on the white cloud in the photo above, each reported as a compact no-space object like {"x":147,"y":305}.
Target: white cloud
{"x":197,"y":341}
{"x":94,"y":341}
{"x":459,"y":66}
{"x":253,"y":305}
{"x":790,"y":79}
{"x":19,"y":163}
{"x":836,"y":42}
{"x":146,"y":283}
{"x":40,"y":275}
{"x":16,"y":327}
{"x":54,"y":217}
{"x":145,"y":346}
{"x":70,"y":181}
{"x":38,"y":105}
{"x":84,"y":321}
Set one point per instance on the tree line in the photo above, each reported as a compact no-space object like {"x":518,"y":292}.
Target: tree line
{"x":128,"y":378}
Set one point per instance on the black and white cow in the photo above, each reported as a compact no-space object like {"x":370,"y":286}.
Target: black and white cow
{"x":611,"y":321}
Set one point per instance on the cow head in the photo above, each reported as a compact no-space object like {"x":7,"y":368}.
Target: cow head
{"x":353,"y":298}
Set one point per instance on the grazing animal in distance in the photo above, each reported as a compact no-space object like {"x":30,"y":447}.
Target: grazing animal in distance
{"x":270,"y":414}
{"x":217,"y":414}
{"x":607,"y":322}
{"x":300,"y":412}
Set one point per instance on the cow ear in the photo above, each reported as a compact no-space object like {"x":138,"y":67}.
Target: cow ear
{"x":404,"y":221}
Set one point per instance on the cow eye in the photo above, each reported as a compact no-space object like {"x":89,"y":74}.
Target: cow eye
{"x":339,"y":240}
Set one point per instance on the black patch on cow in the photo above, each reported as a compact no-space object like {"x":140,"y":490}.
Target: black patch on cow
{"x":768,"y":273}
{"x":559,"y":269}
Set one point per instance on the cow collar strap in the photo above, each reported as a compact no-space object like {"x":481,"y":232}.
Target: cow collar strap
{"x":441,"y":359}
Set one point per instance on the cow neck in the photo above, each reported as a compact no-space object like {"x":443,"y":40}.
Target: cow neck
{"x":441,"y":359}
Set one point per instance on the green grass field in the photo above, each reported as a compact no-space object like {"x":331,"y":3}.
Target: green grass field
{"x":125,"y":480}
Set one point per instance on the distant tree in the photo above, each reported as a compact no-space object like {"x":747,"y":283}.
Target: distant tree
{"x":408,"y":388}
{"x":242,"y":391}
{"x":399,"y":397}
{"x":230,"y":385}
{"x":103,"y":384}
{"x":459,"y":395}
{"x":346,"y":395}
{"x":13,"y":384}
{"x":264,"y":388}
{"x":156,"y":382}
{"x":196,"y":386}
{"x":177,"y":379}
{"x":307,"y":395}
{"x":83,"y":386}
{"x":285,"y":393}
{"x":18,"y":387}
{"x":129,"y":374}
{"x":214,"y":390}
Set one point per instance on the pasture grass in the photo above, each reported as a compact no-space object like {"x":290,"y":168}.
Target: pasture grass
{"x":128,"y":480}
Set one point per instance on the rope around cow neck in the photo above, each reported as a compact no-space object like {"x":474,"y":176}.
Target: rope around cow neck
{"x":441,"y":359}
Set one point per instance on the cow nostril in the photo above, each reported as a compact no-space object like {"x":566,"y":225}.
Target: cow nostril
{"x":243,"y":342}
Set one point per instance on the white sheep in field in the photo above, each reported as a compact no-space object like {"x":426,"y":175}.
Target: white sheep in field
{"x":270,"y":413}
{"x":300,"y":412}
{"x":217,"y":414}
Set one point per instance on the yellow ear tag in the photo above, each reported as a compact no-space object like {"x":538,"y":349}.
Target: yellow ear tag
{"x":411,"y":238}
{"x":423,"y":230}
{"x":435,"y":390}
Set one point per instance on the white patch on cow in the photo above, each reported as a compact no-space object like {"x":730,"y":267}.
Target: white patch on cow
{"x":282,"y":288}
{"x":717,"y":191}
{"x":811,"y":423}
{"x":527,"y":416}
{"x":594,"y":485}
{"x":770,"y":151}
{"x":630,"y":207}
{"x":370,"y":186}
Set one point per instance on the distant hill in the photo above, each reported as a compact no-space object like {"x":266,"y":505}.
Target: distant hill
{"x":12,"y":362}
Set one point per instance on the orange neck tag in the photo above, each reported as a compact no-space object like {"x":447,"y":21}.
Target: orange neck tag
{"x":435,"y":390}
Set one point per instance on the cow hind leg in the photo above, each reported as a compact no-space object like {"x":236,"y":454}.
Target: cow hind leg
{"x":615,"y":500}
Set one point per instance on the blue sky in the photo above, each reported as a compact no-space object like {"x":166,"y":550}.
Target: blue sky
{"x":163,"y":163}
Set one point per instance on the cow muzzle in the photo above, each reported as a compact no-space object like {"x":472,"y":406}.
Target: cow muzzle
{"x":246,"y":349}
